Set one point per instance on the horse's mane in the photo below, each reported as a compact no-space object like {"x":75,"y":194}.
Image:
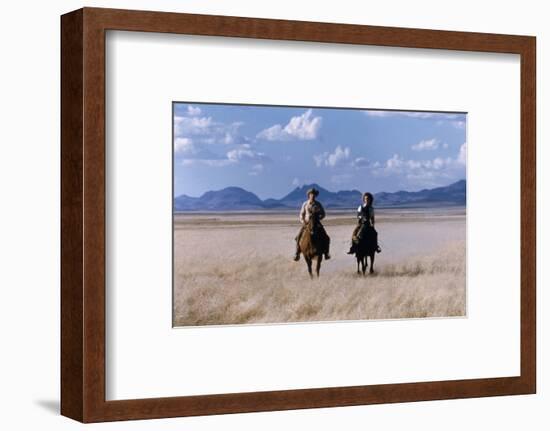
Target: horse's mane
{"x":367,"y":244}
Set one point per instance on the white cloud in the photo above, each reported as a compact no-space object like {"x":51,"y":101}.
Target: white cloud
{"x":303,"y":127}
{"x":228,"y":139}
{"x":193,"y":110}
{"x":242,"y":154}
{"x":339,"y":156}
{"x":397,"y":164}
{"x":209,"y":162}
{"x":194,"y":137}
{"x":427,"y":144}
{"x":379,"y":113}
{"x":462,"y":154}
{"x":297,"y":182}
{"x":414,"y":114}
{"x":361,"y":162}
{"x":183,"y":145}
{"x":428,"y":172}
{"x":419,"y":172}
{"x":273,"y":133}
{"x":246,"y":154}
{"x":190,"y":154}
{"x":204,"y":130}
{"x":341,"y":179}
{"x":257,"y":169}
{"x":185,"y":126}
{"x":186,"y":150}
{"x":459,"y":124}
{"x":320,"y":159}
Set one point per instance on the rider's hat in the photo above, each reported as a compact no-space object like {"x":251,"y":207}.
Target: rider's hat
{"x":314,"y":191}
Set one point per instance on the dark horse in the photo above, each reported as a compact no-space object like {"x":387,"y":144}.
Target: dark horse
{"x":314,"y":243}
{"x":366,"y":247}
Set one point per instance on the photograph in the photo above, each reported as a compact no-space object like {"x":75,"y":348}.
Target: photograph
{"x":287,"y":214}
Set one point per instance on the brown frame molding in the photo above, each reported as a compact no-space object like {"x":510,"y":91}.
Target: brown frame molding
{"x":83,"y":214}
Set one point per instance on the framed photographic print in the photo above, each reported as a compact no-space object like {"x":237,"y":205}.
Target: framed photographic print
{"x":266,"y":215}
{"x":235,"y":248}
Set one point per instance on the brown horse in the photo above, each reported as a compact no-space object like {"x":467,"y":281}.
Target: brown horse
{"x":313,"y":244}
{"x":366,"y":248}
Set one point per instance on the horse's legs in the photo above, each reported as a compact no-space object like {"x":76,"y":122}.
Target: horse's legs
{"x":371,"y":263}
{"x":358,"y":264}
{"x":364,"y":264}
{"x":308,"y":261}
{"x":319,"y":260}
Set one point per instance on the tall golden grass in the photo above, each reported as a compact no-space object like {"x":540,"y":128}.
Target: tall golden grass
{"x":215,"y":283}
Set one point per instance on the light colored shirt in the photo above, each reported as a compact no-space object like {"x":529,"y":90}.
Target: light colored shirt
{"x":366,"y":213}
{"x":309,"y":208}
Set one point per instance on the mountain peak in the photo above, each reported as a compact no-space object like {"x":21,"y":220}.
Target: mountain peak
{"x":306,"y":187}
{"x":230,"y":189}
{"x":299,"y":193}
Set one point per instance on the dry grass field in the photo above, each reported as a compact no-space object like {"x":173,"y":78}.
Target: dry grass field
{"x":238,"y":269}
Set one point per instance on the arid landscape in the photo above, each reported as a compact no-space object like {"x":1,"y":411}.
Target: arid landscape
{"x":237,"y":268}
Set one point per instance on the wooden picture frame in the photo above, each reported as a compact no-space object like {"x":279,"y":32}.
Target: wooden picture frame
{"x":83,"y":214}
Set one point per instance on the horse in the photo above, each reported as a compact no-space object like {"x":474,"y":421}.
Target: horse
{"x":366,"y":248}
{"x":313,"y":244}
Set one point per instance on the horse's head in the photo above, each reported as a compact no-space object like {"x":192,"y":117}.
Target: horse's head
{"x":315,"y":213}
{"x":315,"y":216}
{"x":313,"y":222}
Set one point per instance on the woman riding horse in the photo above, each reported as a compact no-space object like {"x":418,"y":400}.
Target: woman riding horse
{"x":365,"y":222}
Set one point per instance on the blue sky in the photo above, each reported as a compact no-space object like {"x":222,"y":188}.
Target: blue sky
{"x":270,"y":150}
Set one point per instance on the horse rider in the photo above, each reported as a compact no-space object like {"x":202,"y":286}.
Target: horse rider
{"x":365,"y":220}
{"x":309,"y":208}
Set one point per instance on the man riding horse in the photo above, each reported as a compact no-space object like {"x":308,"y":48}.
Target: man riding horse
{"x":312,"y":208}
{"x":365,"y":222}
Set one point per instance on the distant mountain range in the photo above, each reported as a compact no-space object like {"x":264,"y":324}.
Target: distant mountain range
{"x":238,"y":199}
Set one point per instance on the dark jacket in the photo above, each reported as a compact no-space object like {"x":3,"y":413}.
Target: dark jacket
{"x":365,"y":214}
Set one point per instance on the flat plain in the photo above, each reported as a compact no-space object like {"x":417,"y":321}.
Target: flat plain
{"x":237,"y":268}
